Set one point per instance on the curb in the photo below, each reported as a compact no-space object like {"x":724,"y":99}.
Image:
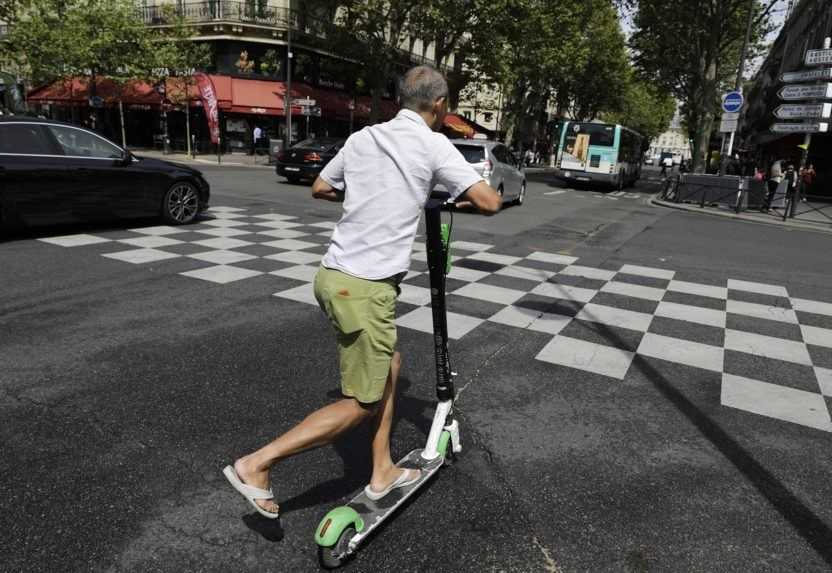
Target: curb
{"x":200,"y":161}
{"x":778,"y":223}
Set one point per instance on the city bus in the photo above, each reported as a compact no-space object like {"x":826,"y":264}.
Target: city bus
{"x":599,"y":153}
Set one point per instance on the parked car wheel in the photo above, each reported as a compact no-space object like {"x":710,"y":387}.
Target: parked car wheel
{"x":522,"y":196}
{"x":181,"y":203}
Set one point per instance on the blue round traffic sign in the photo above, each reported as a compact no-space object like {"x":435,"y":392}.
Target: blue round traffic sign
{"x":732,"y":102}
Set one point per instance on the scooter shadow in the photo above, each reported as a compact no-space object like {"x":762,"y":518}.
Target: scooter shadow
{"x":354,"y":451}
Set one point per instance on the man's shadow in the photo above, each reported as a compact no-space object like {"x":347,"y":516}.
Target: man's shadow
{"x":354,"y":450}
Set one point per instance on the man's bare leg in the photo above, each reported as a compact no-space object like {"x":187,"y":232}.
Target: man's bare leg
{"x":319,"y":428}
{"x":384,"y":470}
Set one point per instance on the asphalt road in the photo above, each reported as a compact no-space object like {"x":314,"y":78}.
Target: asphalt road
{"x":126,"y":386}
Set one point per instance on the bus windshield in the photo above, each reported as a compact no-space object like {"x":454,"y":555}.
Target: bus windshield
{"x":599,"y":134}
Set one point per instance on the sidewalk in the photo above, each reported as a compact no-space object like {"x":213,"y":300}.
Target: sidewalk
{"x":809,"y":216}
{"x":227,"y":160}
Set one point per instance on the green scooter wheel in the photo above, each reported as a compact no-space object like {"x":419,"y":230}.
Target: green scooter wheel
{"x":444,"y":448}
{"x":334,"y":556}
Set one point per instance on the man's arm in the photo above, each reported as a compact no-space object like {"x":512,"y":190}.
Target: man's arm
{"x":482,"y":196}
{"x":323,"y":190}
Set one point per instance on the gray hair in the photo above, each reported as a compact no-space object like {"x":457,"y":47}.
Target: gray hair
{"x":421,"y":87}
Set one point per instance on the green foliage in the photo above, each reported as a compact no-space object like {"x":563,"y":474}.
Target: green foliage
{"x":691,"y":48}
{"x":58,"y":38}
{"x":175,"y":53}
{"x":645,"y":108}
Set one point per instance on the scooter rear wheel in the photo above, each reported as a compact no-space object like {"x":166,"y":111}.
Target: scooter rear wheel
{"x":336,"y":555}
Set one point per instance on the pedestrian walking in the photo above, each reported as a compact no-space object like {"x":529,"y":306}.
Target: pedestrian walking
{"x":256,"y":135}
{"x":666,"y":162}
{"x":529,"y":156}
{"x":774,"y":180}
{"x":383,"y":175}
{"x":807,"y":179}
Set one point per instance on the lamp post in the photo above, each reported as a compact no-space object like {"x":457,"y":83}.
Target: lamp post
{"x":287,"y":101}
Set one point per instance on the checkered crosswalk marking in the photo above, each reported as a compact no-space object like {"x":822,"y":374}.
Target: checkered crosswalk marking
{"x":596,"y":320}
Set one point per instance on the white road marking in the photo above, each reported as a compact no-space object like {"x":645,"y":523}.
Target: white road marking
{"x":816,"y":336}
{"x":688,"y":313}
{"x":767,"y":346}
{"x":618,"y":317}
{"x":588,"y":272}
{"x":780,"y":402}
{"x":698,"y":289}
{"x":681,"y":351}
{"x":812,"y":306}
{"x":759,"y":288}
{"x":588,"y":356}
{"x":647,"y":272}
{"x":765,"y":311}
{"x":558,"y":192}
{"x":635,"y":291}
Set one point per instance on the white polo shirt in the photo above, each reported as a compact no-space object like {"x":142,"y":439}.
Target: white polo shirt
{"x":387,"y":172}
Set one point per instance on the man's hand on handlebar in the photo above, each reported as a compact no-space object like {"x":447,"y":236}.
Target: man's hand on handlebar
{"x":323,"y":190}
{"x":482,"y":197}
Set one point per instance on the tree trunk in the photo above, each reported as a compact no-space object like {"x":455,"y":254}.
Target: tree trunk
{"x":188,"y":123}
{"x":121,"y":119}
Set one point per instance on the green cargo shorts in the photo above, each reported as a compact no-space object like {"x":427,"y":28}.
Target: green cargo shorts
{"x":363,"y":313}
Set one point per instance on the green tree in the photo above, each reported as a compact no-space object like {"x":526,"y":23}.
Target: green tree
{"x":645,"y":108}
{"x":373,"y":33}
{"x":176,"y":58}
{"x":691,"y":48}
{"x":53,"y":39}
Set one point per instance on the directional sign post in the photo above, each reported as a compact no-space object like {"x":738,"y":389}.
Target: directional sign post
{"x":818,"y":57}
{"x":806,"y":91}
{"x":804,"y":111}
{"x":807,"y":75}
{"x":305,"y":102}
{"x":820,"y":127}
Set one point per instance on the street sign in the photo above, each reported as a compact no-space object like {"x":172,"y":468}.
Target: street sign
{"x":305,"y":102}
{"x":804,"y":111}
{"x":807,"y":75}
{"x":732,"y":102}
{"x":806,"y":91}
{"x":311,"y":110}
{"x":818,"y":57}
{"x":728,"y":125}
{"x":821,"y":127}
{"x":731,"y":116}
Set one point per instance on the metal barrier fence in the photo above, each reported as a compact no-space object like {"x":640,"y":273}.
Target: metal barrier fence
{"x":745,"y":193}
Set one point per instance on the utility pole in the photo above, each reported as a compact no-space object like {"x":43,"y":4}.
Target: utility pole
{"x":287,"y":100}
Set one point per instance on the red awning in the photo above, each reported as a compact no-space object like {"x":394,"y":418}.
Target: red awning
{"x":76,"y":91}
{"x":234,"y":95}
{"x":459,"y":126}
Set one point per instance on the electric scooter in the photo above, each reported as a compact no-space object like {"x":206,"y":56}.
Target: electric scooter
{"x":343,"y":529}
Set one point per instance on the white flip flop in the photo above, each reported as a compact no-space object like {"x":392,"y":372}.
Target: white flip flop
{"x":249,"y":492}
{"x":401,"y":481}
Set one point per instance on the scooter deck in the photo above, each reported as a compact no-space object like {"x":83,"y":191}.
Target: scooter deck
{"x":374,"y":512}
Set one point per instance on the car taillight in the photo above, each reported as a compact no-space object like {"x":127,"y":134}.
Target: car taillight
{"x":313,"y":156}
{"x":486,"y":171}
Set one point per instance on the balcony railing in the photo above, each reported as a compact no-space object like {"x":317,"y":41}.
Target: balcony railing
{"x":242,"y":12}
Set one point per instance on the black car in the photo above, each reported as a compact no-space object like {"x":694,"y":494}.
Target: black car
{"x":53,"y":172}
{"x":306,"y":159}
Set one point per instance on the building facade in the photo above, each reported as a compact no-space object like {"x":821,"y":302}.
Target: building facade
{"x":249,"y":41}
{"x":809,"y":23}
{"x":675,"y":140}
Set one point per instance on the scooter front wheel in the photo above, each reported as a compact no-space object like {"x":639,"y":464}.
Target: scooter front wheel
{"x":334,"y":556}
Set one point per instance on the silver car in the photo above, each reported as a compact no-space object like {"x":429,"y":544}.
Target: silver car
{"x":497,"y":166}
